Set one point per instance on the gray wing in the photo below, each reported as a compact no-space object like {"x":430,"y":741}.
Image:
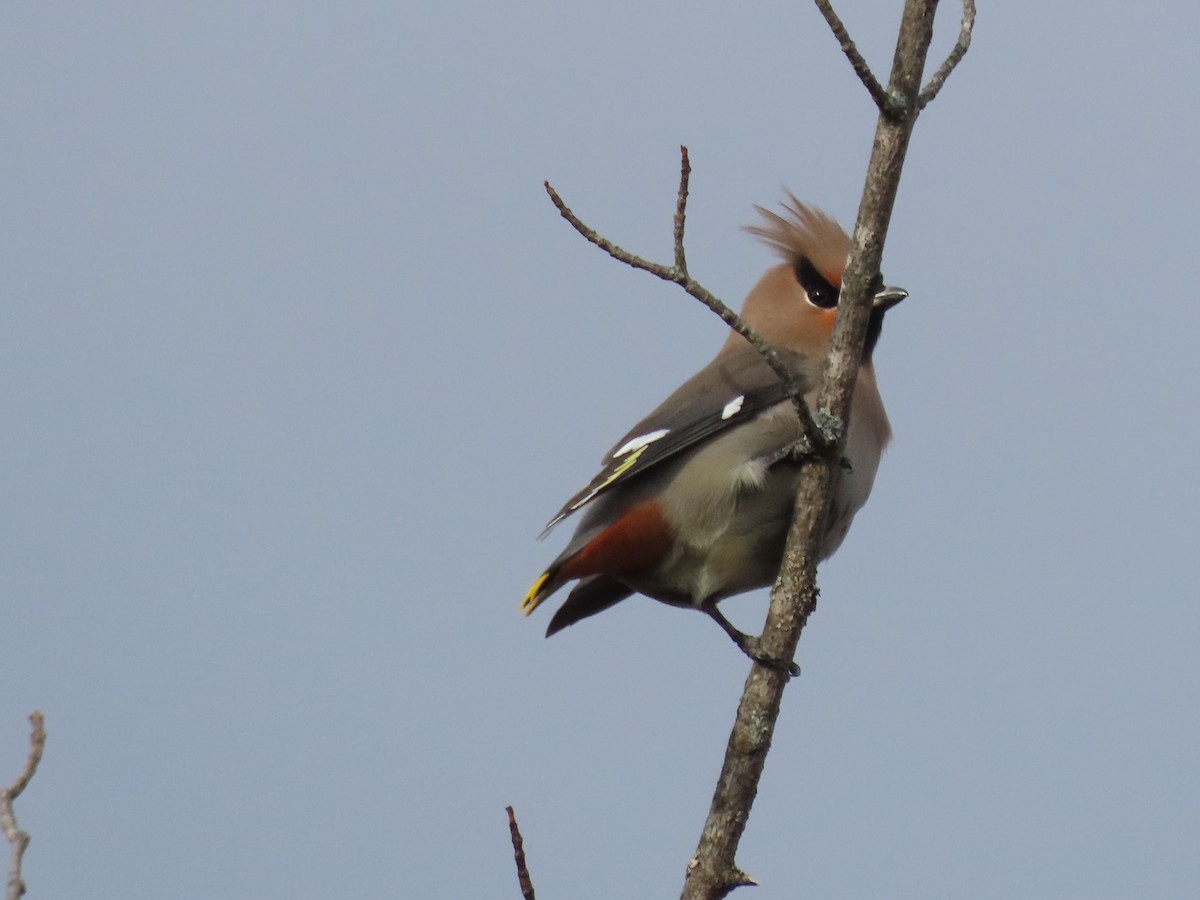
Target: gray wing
{"x":733,"y":388}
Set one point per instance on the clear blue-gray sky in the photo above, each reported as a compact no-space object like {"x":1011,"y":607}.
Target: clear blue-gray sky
{"x":296,"y":359}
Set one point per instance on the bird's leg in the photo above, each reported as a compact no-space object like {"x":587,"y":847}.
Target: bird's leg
{"x":749,"y":645}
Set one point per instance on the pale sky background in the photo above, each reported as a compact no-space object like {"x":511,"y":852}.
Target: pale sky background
{"x":296,"y":359}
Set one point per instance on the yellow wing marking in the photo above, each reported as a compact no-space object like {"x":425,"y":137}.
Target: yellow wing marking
{"x":626,"y":464}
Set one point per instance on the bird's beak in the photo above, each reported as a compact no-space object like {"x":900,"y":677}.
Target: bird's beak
{"x":888,"y":297}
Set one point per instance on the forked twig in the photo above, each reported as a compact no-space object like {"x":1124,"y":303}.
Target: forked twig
{"x":888,"y":102}
{"x":819,"y":440}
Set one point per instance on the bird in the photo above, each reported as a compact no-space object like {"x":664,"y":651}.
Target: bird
{"x":694,"y":503}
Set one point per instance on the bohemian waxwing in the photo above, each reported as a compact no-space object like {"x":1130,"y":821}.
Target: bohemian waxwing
{"x":693,"y":505}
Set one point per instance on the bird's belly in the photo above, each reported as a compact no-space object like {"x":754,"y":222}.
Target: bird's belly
{"x":738,"y":509}
{"x":739,"y":550}
{"x":742,"y":547}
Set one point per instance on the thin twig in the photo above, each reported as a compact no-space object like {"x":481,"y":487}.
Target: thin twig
{"x":960,"y":50}
{"x":667,"y":273}
{"x":519,"y":855}
{"x":685,"y":173}
{"x":818,"y":439}
{"x":888,"y":104}
{"x":18,"y":840}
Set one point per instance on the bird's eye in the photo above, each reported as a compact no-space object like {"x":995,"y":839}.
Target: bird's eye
{"x":820,"y":292}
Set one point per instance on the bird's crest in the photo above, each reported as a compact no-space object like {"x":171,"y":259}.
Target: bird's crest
{"x":805,"y":232}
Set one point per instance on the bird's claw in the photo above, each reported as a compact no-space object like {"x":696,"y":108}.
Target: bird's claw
{"x":787,"y":667}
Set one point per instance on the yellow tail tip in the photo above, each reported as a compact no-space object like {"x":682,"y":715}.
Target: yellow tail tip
{"x":532,"y":600}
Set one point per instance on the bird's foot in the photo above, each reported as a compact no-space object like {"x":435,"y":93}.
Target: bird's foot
{"x":752,"y":646}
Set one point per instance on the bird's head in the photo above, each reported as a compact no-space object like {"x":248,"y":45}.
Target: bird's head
{"x":794,"y":304}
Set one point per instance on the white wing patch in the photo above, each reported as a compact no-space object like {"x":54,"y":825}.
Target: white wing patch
{"x":733,"y":407}
{"x":640,"y":441}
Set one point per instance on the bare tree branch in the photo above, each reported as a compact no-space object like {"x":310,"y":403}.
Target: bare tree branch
{"x":519,"y":855}
{"x":18,"y":840}
{"x":819,"y":440}
{"x":960,"y":50}
{"x":712,"y":873}
{"x":886,"y":103}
